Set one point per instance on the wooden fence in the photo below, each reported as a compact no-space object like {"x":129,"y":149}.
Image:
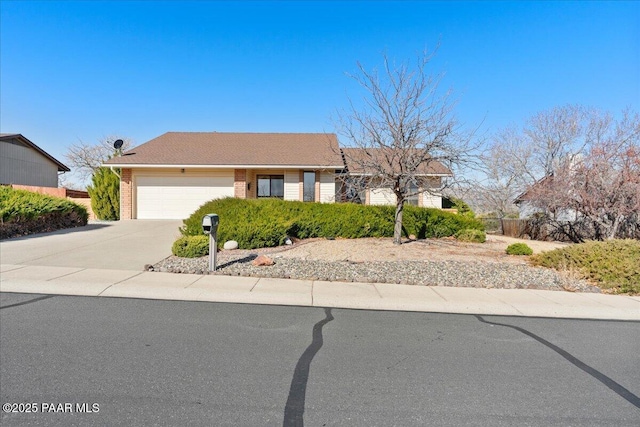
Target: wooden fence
{"x":506,"y":226}
{"x":514,"y":227}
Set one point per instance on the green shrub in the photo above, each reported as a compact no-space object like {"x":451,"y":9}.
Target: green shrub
{"x":428,"y":223}
{"x":612,"y":265}
{"x":191,"y":246}
{"x":471,"y":235}
{"x":24,"y":212}
{"x":22,"y":205}
{"x":519,"y":249}
{"x":259,"y":223}
{"x":105,"y":194}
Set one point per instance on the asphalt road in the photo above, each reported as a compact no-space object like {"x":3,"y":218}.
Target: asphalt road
{"x":100,"y":361}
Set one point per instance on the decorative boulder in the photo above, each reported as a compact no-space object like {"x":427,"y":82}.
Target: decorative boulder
{"x":262,"y":260}
{"x":230,"y":245}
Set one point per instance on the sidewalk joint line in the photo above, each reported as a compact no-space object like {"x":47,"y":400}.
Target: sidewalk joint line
{"x":377,"y":290}
{"x":65,"y":275}
{"x":18,"y":267}
{"x":192,"y":282}
{"x":438,"y":293}
{"x":116,"y":283}
{"x":196,"y":281}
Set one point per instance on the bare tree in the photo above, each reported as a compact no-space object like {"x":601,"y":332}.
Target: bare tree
{"x":506,"y":168}
{"x":84,"y":158}
{"x":518,"y":158}
{"x":598,"y":192}
{"x":404,"y":131}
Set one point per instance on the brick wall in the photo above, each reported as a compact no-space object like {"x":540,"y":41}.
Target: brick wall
{"x":240,"y":183}
{"x":87,"y":204}
{"x":126,"y":201}
{"x":50,"y":191}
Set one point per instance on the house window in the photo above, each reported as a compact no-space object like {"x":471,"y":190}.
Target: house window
{"x":309,"y":186}
{"x":271,"y":186}
{"x":413,"y":199}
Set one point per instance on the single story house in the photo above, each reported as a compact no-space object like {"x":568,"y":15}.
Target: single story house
{"x":528,"y":209}
{"x":172,"y":175}
{"x":24,"y":163}
{"x":364,"y":188}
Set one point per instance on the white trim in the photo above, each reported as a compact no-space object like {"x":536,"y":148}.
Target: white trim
{"x":144,"y":166}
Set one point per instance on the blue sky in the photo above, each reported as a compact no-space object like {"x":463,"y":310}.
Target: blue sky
{"x":84,"y":70}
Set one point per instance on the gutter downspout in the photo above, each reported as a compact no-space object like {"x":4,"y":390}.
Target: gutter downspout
{"x":113,"y":170}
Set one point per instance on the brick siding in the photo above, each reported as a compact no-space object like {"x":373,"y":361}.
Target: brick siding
{"x":240,"y":183}
{"x":126,"y":195}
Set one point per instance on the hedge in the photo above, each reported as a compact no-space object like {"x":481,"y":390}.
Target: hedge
{"x":24,"y":212}
{"x":256,"y":223}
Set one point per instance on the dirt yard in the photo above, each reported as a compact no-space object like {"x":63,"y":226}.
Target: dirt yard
{"x":383,"y":249}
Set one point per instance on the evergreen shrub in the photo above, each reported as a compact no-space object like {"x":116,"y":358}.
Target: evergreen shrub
{"x":471,"y":235}
{"x":24,"y":212}
{"x":613,"y":265}
{"x":191,"y":246}
{"x":256,"y":223}
{"x":519,"y":249}
{"x":105,"y":194}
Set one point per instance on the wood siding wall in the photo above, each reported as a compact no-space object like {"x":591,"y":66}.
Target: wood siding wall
{"x":25,"y":166}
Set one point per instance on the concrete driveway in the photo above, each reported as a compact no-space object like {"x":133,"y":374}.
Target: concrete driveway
{"x":121,"y":245}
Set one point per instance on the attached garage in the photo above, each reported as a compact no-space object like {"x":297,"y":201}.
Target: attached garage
{"x":172,"y":175}
{"x":177,"y":197}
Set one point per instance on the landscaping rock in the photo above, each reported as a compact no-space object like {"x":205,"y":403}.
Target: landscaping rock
{"x":262,"y":261}
{"x":230,"y":245}
{"x":428,"y":269}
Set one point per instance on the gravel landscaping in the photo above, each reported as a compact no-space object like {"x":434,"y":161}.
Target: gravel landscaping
{"x":298,"y":262}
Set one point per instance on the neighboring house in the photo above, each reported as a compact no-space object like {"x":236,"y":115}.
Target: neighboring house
{"x":527,"y":209}
{"x":172,"y":175}
{"x":23,"y":162}
{"x":363,"y":188}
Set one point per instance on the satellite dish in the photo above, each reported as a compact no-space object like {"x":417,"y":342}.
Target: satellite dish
{"x":118,"y":144}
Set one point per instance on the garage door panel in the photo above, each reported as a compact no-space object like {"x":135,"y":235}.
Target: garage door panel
{"x":178,"y":197}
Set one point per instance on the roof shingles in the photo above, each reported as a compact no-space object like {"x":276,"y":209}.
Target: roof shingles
{"x":235,"y":149}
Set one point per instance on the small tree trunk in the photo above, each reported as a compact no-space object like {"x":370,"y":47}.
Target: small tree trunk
{"x":397,"y":227}
{"x":614,"y":227}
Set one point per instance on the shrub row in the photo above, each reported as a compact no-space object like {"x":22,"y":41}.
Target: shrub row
{"x":267,"y":222}
{"x":23,"y":212}
{"x":613,"y":264}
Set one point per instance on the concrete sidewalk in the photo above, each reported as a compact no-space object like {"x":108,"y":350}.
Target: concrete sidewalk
{"x":253,"y":290}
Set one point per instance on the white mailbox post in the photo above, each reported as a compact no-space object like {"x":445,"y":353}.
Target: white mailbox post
{"x":210,"y":226}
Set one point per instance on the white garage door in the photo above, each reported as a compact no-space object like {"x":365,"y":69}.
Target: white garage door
{"x":177,"y":197}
